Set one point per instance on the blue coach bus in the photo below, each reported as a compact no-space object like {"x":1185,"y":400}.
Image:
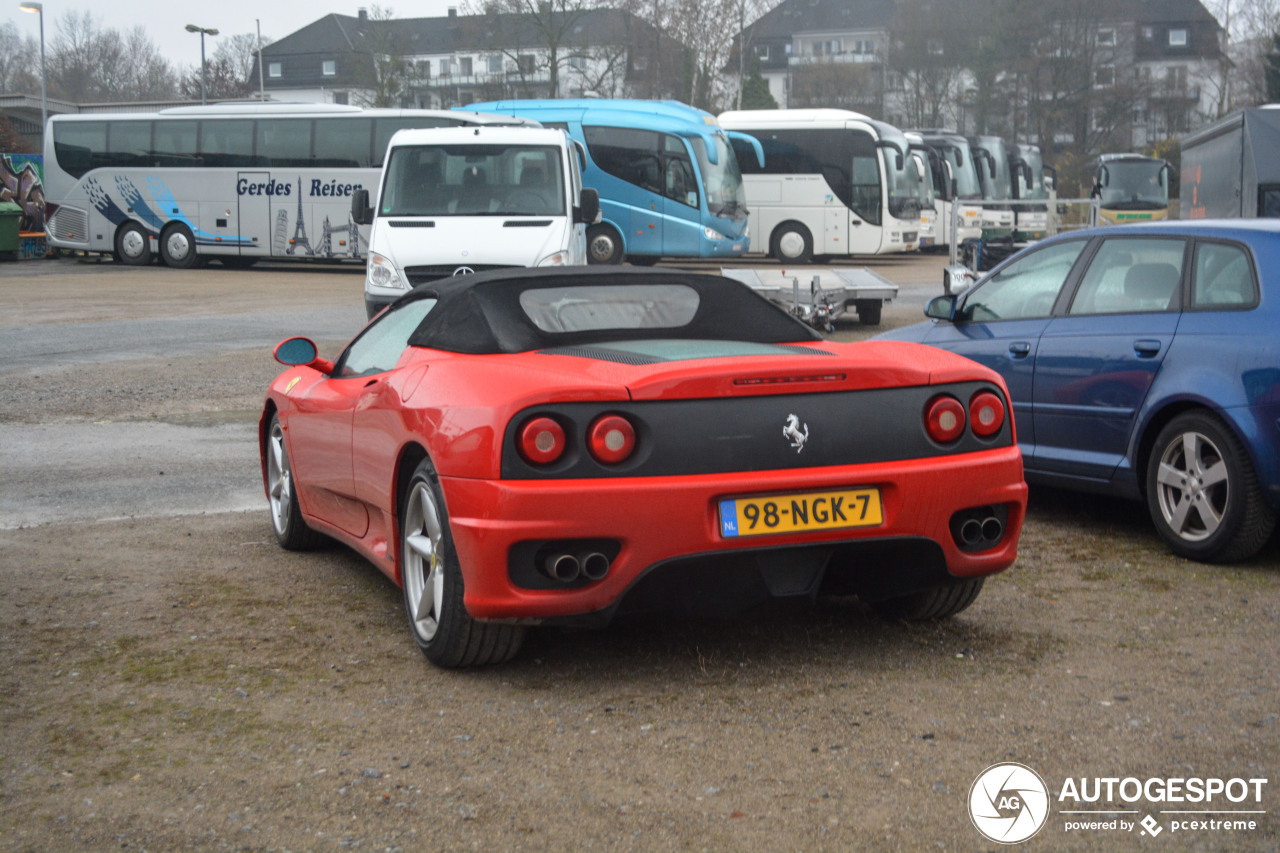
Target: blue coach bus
{"x":667,"y":176}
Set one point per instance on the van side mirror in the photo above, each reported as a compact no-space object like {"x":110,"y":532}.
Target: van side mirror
{"x":588,"y":207}
{"x":361,"y":212}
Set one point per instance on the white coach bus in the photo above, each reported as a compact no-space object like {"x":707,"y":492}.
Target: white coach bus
{"x":834,"y":182}
{"x":235,"y":182}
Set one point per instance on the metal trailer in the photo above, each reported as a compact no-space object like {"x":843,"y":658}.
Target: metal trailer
{"x":1231,"y":168}
{"x":817,"y":303}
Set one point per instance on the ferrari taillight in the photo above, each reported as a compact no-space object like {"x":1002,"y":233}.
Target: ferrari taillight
{"x":986,"y":414}
{"x":541,"y":441}
{"x":611,"y":439}
{"x":944,"y":419}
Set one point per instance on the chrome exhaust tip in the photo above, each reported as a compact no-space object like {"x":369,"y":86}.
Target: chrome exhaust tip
{"x":971,"y":532}
{"x":562,"y":567}
{"x":594,"y":565}
{"x":992,"y":529}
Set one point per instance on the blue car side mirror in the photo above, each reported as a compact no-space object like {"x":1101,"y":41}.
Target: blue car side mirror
{"x":941,"y":307}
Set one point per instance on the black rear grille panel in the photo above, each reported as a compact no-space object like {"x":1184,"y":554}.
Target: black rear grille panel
{"x":710,"y":436}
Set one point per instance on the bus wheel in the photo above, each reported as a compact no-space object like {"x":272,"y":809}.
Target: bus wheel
{"x":178,"y":247}
{"x":133,"y":245}
{"x":792,"y":243}
{"x":604,"y":246}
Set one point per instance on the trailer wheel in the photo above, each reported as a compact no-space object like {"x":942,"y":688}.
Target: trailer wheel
{"x":791,"y":243}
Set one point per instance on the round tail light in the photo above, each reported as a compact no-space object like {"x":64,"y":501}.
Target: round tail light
{"x":541,"y":441}
{"x":611,"y":439}
{"x":986,"y":414}
{"x":944,"y":419}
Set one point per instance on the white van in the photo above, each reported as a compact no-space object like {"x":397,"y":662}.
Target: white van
{"x":458,"y":200}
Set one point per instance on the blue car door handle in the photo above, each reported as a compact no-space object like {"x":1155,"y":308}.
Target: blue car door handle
{"x":1146,"y":348}
{"x":1019,"y":349}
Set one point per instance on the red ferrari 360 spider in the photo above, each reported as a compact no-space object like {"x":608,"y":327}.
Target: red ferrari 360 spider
{"x":553,"y":447}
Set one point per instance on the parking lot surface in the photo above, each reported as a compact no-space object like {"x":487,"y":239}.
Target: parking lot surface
{"x":172,"y":679}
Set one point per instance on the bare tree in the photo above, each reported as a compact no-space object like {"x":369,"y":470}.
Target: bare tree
{"x":222,"y":81}
{"x":548,"y":26}
{"x":87,"y":63}
{"x":19,"y":60}
{"x":241,"y":54}
{"x":380,"y":52}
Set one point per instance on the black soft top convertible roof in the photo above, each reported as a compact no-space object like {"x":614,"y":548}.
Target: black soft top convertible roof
{"x":482,"y":313}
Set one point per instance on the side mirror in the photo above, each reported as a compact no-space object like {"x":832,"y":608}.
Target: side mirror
{"x":588,"y":207}
{"x":302,"y":352}
{"x":361,"y":212}
{"x":941,"y":307}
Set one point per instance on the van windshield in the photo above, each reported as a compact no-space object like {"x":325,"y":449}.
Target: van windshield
{"x":474,"y":180}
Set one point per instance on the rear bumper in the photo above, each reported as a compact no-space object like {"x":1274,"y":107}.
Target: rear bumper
{"x":665,"y":521}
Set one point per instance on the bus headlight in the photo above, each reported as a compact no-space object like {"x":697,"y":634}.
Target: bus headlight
{"x":712,"y":234}
{"x":382,"y":273}
{"x":555,"y":259}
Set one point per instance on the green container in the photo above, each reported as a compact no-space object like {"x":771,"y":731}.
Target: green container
{"x":10,"y":217}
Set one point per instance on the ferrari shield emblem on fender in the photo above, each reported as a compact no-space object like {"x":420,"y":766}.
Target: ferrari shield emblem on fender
{"x":793,"y":432}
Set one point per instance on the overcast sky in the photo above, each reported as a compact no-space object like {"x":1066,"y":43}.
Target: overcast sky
{"x":165,"y":20}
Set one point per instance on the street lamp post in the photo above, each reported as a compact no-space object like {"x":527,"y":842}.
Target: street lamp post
{"x":203,"y":31}
{"x":37,"y":8}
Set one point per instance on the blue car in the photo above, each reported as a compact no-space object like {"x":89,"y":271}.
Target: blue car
{"x":1142,"y":361}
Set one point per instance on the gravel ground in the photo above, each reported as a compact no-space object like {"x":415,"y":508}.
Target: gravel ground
{"x":182,"y":683}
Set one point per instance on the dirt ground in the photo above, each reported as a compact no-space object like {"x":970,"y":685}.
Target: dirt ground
{"x":182,"y":683}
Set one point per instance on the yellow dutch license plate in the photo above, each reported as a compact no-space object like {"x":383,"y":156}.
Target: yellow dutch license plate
{"x":803,"y":513}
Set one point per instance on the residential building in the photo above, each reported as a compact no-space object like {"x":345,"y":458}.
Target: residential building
{"x":436,"y":63}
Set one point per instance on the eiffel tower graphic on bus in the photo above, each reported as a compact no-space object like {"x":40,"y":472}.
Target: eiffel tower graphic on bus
{"x":299,"y":230}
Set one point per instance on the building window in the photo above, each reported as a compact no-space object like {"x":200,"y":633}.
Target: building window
{"x":495,"y":63}
{"x":578,"y":62}
{"x":1175,"y":78}
{"x":1107,"y":38}
{"x":423,"y":67}
{"x":826,"y":48}
{"x":1178,"y":38}
{"x":1104,"y":76}
{"x":273,"y":69}
{"x":528,"y":63}
{"x":864,"y":47}
{"x":466,"y":66}
{"x":1148,"y":33}
{"x":329,"y":67}
{"x":762,"y":51}
{"x":341,"y":98}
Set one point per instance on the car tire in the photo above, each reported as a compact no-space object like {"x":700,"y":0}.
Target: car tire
{"x":431,"y":581}
{"x":1202,"y":492}
{"x":178,"y":247}
{"x":791,"y":243}
{"x":604,"y":245}
{"x":291,"y":530}
{"x":937,"y":603}
{"x":133,"y":245}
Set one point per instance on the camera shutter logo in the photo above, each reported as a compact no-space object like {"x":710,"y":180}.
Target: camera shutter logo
{"x":1008,"y":803}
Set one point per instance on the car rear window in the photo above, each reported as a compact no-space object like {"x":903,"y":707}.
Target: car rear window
{"x":1224,"y":277}
{"x":588,"y":308}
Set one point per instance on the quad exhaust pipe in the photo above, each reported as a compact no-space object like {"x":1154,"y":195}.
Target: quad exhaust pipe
{"x":566,"y":568}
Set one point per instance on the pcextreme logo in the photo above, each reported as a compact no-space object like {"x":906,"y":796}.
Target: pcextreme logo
{"x":1009,"y":803}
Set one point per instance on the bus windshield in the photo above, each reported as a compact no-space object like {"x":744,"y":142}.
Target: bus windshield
{"x":962,"y":170}
{"x":992,"y":158}
{"x":902,"y":177}
{"x":1034,"y":163}
{"x":722,"y":179}
{"x":486,"y":180}
{"x":1134,"y":185}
